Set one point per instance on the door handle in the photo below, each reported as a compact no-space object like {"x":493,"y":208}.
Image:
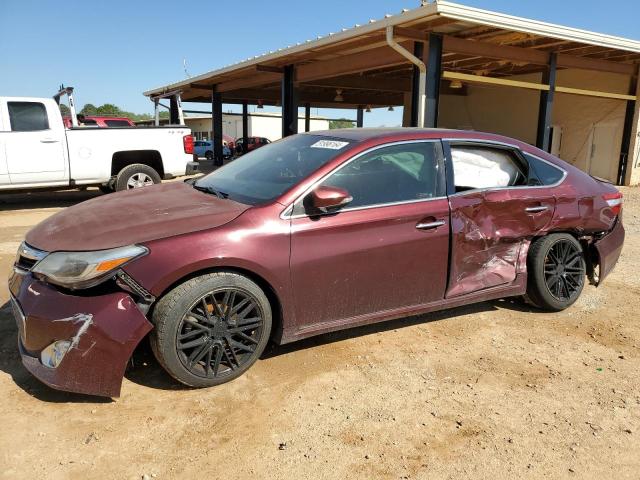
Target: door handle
{"x":538,"y":209}
{"x":48,"y":140}
{"x":429,"y":225}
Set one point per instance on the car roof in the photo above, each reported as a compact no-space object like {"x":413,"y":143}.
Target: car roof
{"x":361,"y":134}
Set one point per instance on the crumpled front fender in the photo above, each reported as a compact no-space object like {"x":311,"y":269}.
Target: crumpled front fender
{"x":103,"y":331}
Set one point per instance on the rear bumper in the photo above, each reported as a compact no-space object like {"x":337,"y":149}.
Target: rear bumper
{"x":103,"y":331}
{"x":609,"y":248}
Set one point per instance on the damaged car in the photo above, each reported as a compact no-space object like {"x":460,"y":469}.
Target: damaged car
{"x":313,"y":233}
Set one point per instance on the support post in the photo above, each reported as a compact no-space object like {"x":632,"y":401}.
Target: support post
{"x":418,"y":51}
{"x":307,"y":117}
{"x":156,"y":111}
{"x":545,"y":112}
{"x":434,"y":73}
{"x":245,"y":125}
{"x":216,"y":126}
{"x":174,"y":115}
{"x":360,"y":117}
{"x":289,"y":104}
{"x":630,"y":133}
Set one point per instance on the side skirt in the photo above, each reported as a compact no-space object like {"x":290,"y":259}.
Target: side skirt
{"x":517,"y":287}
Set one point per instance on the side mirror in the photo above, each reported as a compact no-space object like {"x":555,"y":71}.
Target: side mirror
{"x":326,"y":199}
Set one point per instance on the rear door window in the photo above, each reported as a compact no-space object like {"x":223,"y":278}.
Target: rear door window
{"x":27,"y":116}
{"x":547,"y":173}
{"x":478,"y":166}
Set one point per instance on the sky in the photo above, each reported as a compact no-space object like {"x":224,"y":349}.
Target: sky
{"x":111,"y":51}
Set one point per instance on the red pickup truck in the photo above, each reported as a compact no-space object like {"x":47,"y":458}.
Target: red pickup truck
{"x":105,"y":122}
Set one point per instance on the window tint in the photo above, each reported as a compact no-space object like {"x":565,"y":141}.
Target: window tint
{"x":546,"y":173}
{"x":117,"y":123}
{"x":485,"y":167}
{"x":90,"y":121}
{"x":390,"y":174}
{"x":28,"y":116}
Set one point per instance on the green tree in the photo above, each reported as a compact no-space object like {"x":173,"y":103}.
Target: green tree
{"x":89,"y":109}
{"x":108,"y":109}
{"x":341,"y":123}
{"x":64,"y":110}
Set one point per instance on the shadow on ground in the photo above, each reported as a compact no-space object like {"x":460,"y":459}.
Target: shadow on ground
{"x":144,"y":369}
{"x":45,"y":199}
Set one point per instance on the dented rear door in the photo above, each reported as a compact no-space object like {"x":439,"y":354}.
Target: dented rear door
{"x":491,"y":229}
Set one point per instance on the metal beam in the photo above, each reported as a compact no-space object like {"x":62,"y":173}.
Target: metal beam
{"x":360,"y":117}
{"x":253,"y":80}
{"x":354,"y":63}
{"x":307,"y":117}
{"x":372,"y":83}
{"x":545,"y":112}
{"x":411,"y":34}
{"x":627,"y":133}
{"x":569,"y":61}
{"x":245,"y":125}
{"x":216,"y":126}
{"x":434,"y":74}
{"x":268,"y":68}
{"x":529,"y":55}
{"x":289,"y":104}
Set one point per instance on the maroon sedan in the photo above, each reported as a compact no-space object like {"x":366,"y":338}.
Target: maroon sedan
{"x":313,"y":233}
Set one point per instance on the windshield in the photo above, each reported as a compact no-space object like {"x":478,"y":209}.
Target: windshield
{"x":264,"y":174}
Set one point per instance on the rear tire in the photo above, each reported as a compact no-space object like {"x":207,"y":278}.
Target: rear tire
{"x":208,"y":155}
{"x":556,"y":271}
{"x":136,"y":176}
{"x":211,"y":329}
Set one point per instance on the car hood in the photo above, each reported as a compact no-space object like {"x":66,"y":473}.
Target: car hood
{"x":133,"y":216}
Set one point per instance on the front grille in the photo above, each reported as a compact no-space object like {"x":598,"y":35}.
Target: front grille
{"x":28,"y":256}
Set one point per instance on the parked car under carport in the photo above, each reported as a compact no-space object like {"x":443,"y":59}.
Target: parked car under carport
{"x":340,"y":228}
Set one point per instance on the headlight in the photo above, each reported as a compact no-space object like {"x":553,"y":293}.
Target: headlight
{"x":85,"y":269}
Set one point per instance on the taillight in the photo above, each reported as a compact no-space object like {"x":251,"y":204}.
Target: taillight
{"x":614,"y":200}
{"x":187,"y":141}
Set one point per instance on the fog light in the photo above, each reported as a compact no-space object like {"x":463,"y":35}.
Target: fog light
{"x":54,"y":353}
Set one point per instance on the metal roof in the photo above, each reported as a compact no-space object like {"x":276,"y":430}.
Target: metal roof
{"x":441,"y":16}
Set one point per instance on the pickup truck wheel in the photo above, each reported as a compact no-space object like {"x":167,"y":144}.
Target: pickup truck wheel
{"x":211,"y":329}
{"x":136,"y":176}
{"x":557,"y":271}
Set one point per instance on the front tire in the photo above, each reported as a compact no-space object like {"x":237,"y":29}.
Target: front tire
{"x":136,"y":176}
{"x":211,"y":329}
{"x":557,"y":271}
{"x":208,"y":155}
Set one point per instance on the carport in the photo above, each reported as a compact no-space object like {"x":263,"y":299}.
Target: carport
{"x":568,"y":91}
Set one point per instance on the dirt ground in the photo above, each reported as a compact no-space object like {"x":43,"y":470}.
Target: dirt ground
{"x":494,"y":390}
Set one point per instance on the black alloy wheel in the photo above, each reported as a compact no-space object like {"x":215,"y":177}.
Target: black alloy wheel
{"x":556,"y":271}
{"x":219,"y":333}
{"x":564,"y":270}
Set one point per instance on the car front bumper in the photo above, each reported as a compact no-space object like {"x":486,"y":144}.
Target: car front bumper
{"x":102,"y":331}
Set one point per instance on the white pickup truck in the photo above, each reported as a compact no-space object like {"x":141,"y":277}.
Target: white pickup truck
{"x":37,"y":151}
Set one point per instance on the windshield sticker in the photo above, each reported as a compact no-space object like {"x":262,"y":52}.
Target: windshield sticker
{"x":330,"y":144}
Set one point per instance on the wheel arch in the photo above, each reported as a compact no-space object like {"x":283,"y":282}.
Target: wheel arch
{"x":123,"y":158}
{"x":589,"y":252}
{"x":266,"y":286}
